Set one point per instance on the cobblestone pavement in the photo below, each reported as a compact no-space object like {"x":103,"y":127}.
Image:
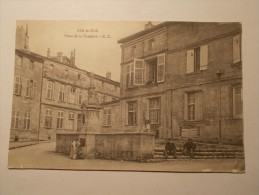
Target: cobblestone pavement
{"x":43,"y":156}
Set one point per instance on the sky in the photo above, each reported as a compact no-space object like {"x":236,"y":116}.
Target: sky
{"x":94,"y":52}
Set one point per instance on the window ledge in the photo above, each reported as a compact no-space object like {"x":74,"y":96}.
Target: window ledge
{"x":17,"y":94}
{"x":236,"y":64}
{"x":195,"y":73}
{"x":235,"y":118}
{"x":194,"y":121}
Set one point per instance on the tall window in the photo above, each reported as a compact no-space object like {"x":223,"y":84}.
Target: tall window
{"x":18,"y":85}
{"x":237,"y":48}
{"x":50,"y":90}
{"x":197,"y":59}
{"x":15,"y":119}
{"x":107,"y":117}
{"x":60,"y":119}
{"x":30,"y":88}
{"x":71,"y":122}
{"x":154,"y":110}
{"x":142,"y":72}
{"x":27,"y":121}
{"x":237,"y":101}
{"x":48,"y":118}
{"x":61,"y":96}
{"x":193,"y":106}
{"x":132,"y":113}
{"x":71,"y":94}
{"x":80,"y":97}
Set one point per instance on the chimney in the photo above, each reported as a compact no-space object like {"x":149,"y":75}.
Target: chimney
{"x":72,"y":57}
{"x":22,"y":39}
{"x":59,"y":56}
{"x":48,"y":53}
{"x":109,"y":75}
{"x":148,"y":25}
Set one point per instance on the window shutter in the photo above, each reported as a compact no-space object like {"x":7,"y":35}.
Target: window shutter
{"x":198,"y":106}
{"x":237,"y":49}
{"x":126,"y":114}
{"x":204,"y":57}
{"x":190,"y":61}
{"x":185,"y":106}
{"x":34,"y":88}
{"x":138,"y":71}
{"x":161,"y":68}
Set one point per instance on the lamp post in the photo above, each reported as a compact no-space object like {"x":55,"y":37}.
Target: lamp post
{"x":219,"y":73}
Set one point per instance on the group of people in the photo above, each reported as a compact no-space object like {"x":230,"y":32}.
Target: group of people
{"x":188,"y":148}
{"x":75,"y":150}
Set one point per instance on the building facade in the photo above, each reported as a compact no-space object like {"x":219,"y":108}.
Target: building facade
{"x":186,"y":79}
{"x":49,"y":91}
{"x":26,"y":96}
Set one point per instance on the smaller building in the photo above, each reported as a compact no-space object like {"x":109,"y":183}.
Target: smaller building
{"x":26,"y":96}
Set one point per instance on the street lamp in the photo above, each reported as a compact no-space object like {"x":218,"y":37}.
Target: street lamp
{"x":219,"y":73}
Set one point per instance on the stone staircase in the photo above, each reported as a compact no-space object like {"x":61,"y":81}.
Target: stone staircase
{"x":203,"y":151}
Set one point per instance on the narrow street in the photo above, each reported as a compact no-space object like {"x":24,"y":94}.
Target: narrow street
{"x":43,"y":156}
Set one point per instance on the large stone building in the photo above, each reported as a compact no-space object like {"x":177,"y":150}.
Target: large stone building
{"x":49,"y":91}
{"x":186,"y":79}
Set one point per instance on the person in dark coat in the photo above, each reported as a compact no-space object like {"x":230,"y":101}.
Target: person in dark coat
{"x":170,"y":149}
{"x":189,"y":148}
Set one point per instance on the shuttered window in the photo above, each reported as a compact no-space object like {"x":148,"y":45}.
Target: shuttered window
{"x":161,"y":68}
{"x":18,"y":85}
{"x":204,"y":57}
{"x":197,"y":59}
{"x":15,"y":119}
{"x":237,"y":48}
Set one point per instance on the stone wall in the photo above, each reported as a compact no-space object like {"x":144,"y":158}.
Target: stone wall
{"x":118,"y":146}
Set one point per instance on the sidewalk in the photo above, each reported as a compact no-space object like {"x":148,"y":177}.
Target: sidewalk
{"x":13,"y":145}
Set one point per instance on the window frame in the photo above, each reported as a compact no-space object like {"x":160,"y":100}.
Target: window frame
{"x":27,"y":121}
{"x":197,"y":106}
{"x":48,"y":118}
{"x":157,"y":110}
{"x":15,"y":119}
{"x":18,"y":85}
{"x":60,"y":119}
{"x":133,"y":112}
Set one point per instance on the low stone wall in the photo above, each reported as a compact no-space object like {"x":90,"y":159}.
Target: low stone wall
{"x":124,"y":146}
{"x":119,"y":146}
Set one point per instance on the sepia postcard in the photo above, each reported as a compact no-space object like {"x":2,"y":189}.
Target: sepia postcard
{"x":127,"y":96}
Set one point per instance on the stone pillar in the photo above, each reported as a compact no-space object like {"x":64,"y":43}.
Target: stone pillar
{"x":92,"y":120}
